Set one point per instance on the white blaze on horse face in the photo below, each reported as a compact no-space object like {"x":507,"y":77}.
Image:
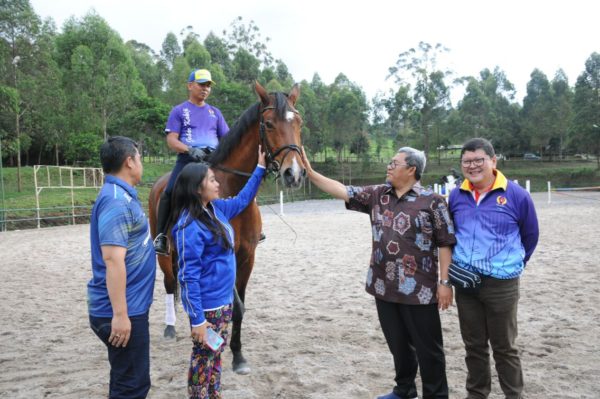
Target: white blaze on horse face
{"x":289,"y":116}
{"x":295,"y":169}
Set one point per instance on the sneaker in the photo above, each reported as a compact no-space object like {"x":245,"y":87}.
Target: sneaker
{"x":161,"y":245}
{"x":262,"y":238}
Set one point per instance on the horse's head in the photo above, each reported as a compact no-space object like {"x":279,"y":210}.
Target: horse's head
{"x":280,"y":134}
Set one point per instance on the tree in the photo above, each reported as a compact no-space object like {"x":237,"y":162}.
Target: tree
{"x":149,"y":69}
{"x":487,"y":110}
{"x":586,"y":122}
{"x":248,"y":38}
{"x":346,"y":114}
{"x":170,"y":49}
{"x":537,"y":107}
{"x":430,"y":92}
{"x":219,"y":53}
{"x":102,"y":80}
{"x":19,"y":26}
{"x":561,"y":113}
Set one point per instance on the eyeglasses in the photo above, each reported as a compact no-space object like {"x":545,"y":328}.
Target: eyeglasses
{"x":472,"y":162}
{"x":394,"y":164}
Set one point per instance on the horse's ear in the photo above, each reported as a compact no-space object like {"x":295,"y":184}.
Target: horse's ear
{"x":262,"y":93}
{"x":294,"y":94}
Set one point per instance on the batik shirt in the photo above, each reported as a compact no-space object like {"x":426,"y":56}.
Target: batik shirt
{"x":406,"y":234}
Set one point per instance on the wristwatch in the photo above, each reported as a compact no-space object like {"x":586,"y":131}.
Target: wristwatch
{"x":445,"y":283}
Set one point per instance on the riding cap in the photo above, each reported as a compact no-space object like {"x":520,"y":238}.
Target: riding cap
{"x":200,"y":76}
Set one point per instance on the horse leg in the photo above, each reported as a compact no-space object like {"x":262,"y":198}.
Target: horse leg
{"x":240,"y":364}
{"x":170,"y":287}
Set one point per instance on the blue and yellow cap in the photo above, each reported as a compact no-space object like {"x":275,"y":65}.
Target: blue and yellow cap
{"x":200,"y":76}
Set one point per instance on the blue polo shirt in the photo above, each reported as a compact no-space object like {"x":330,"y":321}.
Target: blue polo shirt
{"x":119,"y":219}
{"x":497,"y":235}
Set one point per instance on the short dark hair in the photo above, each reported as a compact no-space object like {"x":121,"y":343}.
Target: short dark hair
{"x":114,"y":151}
{"x":478,"y":143}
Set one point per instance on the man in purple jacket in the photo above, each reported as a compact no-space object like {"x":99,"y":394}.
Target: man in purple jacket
{"x":496,"y":234}
{"x":193,"y":130}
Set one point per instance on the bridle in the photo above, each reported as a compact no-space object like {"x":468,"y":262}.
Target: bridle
{"x":273,"y":165}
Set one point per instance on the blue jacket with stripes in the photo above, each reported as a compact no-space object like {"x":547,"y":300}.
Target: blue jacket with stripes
{"x":206,"y":268}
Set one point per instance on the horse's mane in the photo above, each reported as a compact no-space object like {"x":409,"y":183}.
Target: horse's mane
{"x":242,"y":126}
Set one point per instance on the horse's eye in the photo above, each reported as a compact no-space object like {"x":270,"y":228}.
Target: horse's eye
{"x":269,"y":125}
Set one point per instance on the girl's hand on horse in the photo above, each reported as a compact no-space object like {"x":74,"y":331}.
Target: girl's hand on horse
{"x":261,"y":157}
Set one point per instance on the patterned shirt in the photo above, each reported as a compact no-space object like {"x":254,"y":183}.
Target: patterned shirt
{"x":406,"y":234}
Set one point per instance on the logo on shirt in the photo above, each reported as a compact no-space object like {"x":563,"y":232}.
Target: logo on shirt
{"x":211,"y":112}
{"x":501,"y":200}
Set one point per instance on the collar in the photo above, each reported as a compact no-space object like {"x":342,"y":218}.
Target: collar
{"x":112,"y":179}
{"x":417,"y":189}
{"x":499,"y":182}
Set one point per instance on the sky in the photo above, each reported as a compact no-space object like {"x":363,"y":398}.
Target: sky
{"x":362,"y":39}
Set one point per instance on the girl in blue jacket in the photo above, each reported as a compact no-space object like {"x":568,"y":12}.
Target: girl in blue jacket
{"x":204,"y":240}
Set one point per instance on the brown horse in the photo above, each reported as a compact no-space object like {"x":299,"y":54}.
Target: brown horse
{"x":274,"y":123}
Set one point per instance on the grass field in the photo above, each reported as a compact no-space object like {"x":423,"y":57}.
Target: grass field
{"x":56,"y":207}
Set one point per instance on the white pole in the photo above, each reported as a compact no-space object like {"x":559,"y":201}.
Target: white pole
{"x":72,"y":197}
{"x":436,"y":188}
{"x":549,"y":195}
{"x":528,"y":186}
{"x":37,"y":194}
{"x":281,"y":203}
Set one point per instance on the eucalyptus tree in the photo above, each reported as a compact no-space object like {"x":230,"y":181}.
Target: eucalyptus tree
{"x":487,"y":110}
{"x":586,"y":121}
{"x":346,"y":113}
{"x":247,"y":37}
{"x":428,"y":87}
{"x":561,"y":113}
{"x":537,"y":107}
{"x":19,"y":26}
{"x":100,"y":77}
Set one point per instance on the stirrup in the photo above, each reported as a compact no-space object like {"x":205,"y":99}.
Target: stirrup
{"x":161,"y":245}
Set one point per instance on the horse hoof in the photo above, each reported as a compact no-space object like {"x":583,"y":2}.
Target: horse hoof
{"x":241,"y":368}
{"x":170,"y":332}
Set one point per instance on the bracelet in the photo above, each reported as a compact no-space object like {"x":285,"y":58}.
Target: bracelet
{"x":445,"y":283}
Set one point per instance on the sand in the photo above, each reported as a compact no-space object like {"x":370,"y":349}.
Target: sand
{"x":310,"y":330}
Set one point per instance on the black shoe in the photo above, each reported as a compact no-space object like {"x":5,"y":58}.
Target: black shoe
{"x":262,"y":238}
{"x":161,"y":245}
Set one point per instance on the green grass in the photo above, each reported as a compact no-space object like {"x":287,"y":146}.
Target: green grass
{"x":56,"y":203}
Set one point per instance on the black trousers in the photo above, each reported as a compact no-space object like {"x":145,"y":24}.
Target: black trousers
{"x":414,"y":336}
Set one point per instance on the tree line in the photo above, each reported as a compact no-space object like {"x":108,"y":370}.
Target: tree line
{"x":62,"y":92}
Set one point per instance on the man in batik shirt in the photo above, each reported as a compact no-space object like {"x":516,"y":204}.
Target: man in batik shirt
{"x":411,"y":228}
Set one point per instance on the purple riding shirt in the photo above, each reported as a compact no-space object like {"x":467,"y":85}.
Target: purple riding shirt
{"x":197,"y":126}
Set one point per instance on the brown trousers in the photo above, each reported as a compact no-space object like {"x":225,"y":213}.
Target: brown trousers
{"x":489,"y":318}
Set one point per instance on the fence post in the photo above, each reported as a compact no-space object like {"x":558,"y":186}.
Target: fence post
{"x":281,"y":203}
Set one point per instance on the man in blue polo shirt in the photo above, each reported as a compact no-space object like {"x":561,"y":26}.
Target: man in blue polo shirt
{"x":496,"y":234}
{"x":123,"y":271}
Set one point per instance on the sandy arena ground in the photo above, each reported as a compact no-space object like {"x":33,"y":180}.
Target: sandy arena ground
{"x":310,"y":330}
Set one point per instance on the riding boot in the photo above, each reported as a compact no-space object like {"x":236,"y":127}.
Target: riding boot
{"x":161,"y":242}
{"x":262,"y":238}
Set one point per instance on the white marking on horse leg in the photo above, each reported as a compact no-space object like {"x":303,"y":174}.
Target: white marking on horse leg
{"x":289,"y":116}
{"x":170,"y":317}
